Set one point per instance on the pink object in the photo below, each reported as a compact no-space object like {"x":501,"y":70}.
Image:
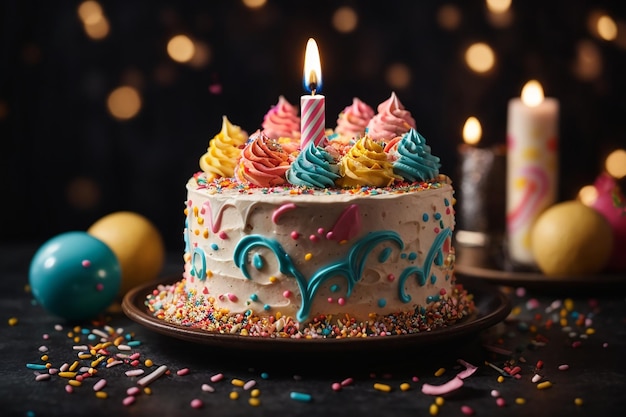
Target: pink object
{"x":313,"y":119}
{"x":611,"y":203}
{"x":391,"y":120}
{"x":468,"y":371}
{"x":281,"y":120}
{"x":207,"y":214}
{"x":282,"y":210}
{"x":100,"y":384}
{"x":347,"y":381}
{"x":532,"y":201}
{"x":347,"y":226}
{"x":263,"y":162}
{"x":516,"y":370}
{"x":467,"y":410}
{"x":452,"y":385}
{"x":353,"y":120}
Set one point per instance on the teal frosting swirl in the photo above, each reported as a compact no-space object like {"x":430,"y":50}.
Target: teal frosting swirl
{"x":314,"y":167}
{"x":415,"y":162}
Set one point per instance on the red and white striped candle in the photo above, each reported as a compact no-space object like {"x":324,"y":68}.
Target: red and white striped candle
{"x":312,"y":106}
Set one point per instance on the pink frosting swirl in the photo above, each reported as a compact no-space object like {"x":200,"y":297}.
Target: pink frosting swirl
{"x":263,"y":162}
{"x":391,"y":120}
{"x":282,"y":121}
{"x":353,"y":120}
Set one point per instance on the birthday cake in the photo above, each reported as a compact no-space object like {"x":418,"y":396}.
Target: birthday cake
{"x":347,"y":237}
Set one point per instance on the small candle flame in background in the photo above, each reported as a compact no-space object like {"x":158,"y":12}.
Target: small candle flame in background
{"x":615,"y":166}
{"x":472,"y":131}
{"x":532,"y":93}
{"x":588,"y":195}
{"x":312,"y":78}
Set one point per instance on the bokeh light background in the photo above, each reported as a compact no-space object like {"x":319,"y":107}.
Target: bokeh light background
{"x":107,"y":106}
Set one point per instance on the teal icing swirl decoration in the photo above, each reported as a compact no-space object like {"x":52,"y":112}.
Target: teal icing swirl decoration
{"x":415,"y":162}
{"x":350,"y":268}
{"x":434,"y":255}
{"x":314,"y":167}
{"x":186,"y":236}
{"x":198,"y":254}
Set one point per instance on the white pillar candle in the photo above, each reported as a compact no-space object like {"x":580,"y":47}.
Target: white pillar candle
{"x":312,"y":106}
{"x":532,"y":166}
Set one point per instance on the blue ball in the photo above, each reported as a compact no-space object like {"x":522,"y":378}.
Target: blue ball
{"x":75,"y":276}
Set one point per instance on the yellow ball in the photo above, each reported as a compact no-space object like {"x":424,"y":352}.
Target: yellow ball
{"x":570,"y":238}
{"x":137,"y":244}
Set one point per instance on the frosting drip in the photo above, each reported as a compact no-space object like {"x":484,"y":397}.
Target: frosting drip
{"x":366,"y":164}
{"x":414,"y":162}
{"x":391,"y":120}
{"x":263,"y":162}
{"x":223,"y":151}
{"x":353,"y":120}
{"x":282,"y":121}
{"x":314,"y":167}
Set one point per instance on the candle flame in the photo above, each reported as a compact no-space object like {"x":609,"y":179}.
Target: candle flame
{"x":472,"y":131}
{"x":532,"y":93}
{"x":498,"y":6}
{"x":312,"y":78}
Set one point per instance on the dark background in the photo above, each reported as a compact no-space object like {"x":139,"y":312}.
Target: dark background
{"x":66,"y":162}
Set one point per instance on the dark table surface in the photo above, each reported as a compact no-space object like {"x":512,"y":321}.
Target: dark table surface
{"x":579,"y":327}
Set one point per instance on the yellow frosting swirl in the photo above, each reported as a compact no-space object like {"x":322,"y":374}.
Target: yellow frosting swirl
{"x":366,"y":164}
{"x":224,"y":150}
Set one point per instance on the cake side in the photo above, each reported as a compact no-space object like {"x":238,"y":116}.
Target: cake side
{"x":379,"y":251}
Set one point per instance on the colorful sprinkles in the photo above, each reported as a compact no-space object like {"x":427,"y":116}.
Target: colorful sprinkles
{"x":223,"y":184}
{"x":96,"y":350}
{"x":174,"y":304}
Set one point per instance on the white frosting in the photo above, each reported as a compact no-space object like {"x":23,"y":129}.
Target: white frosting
{"x":222,"y":222}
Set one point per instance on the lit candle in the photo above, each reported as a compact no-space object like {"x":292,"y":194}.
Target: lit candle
{"x":480,"y":206}
{"x":312,"y":119}
{"x":532,"y":165}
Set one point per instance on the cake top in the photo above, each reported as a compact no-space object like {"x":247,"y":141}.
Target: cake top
{"x":366,"y":149}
